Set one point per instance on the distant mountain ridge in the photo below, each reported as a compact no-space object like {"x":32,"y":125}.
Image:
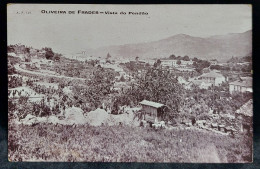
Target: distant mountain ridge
{"x":221,"y":47}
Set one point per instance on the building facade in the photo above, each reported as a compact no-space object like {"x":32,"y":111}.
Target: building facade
{"x":153,"y":112}
{"x":242,"y":85}
{"x":213,"y":78}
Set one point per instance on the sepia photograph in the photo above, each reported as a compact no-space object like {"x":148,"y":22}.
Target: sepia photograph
{"x":130,"y":83}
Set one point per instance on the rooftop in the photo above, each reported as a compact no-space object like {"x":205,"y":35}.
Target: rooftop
{"x":246,"y":109}
{"x":213,"y":74}
{"x":244,"y":81}
{"x":152,"y":104}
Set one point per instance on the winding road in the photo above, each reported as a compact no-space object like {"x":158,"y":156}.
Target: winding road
{"x":18,"y":68}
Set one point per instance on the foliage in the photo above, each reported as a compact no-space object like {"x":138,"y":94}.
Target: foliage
{"x":186,"y":58}
{"x":199,"y":65}
{"x":92,"y":62}
{"x":172,"y":57}
{"x":99,"y":85}
{"x":155,"y":85}
{"x":195,"y":59}
{"x":178,"y":62}
{"x":234,"y":67}
{"x":14,"y":81}
{"x":157,"y":63}
{"x":217,"y":99}
{"x":23,"y":107}
{"x":49,"y":53}
{"x":123,"y":143}
{"x":13,"y":60}
{"x":219,"y":67}
{"x":133,"y":66}
{"x":10,"y":48}
{"x":240,"y":59}
{"x":11,"y":69}
{"x":108,"y":58}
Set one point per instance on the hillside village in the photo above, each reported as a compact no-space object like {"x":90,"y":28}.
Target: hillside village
{"x":164,"y":93}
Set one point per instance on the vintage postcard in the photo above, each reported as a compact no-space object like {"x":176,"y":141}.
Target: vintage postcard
{"x":130,"y":83}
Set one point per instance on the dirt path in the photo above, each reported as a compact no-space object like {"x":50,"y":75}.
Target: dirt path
{"x":17,"y":67}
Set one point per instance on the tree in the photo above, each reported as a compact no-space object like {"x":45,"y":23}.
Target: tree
{"x":108,"y":58}
{"x":186,"y":58}
{"x":49,"y":53}
{"x":11,"y":69}
{"x":172,"y":57}
{"x":10,"y":48}
{"x":247,"y":59}
{"x":200,"y":65}
{"x":159,"y":86}
{"x":99,"y":86}
{"x":179,"y":57}
{"x":137,"y":59}
{"x":147,"y":65}
{"x":195,"y":59}
{"x":27,"y":50}
{"x":157,"y":63}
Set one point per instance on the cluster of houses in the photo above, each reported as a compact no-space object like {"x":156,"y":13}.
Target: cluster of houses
{"x":215,"y":78}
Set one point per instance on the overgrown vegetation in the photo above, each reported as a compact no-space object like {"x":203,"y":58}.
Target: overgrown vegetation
{"x":123,"y":143}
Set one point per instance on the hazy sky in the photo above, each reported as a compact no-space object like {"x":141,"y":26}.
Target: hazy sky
{"x":75,"y":32}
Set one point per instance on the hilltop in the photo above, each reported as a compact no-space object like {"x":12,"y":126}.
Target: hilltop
{"x":215,"y":47}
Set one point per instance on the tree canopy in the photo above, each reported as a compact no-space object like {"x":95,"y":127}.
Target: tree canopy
{"x":159,"y":86}
{"x":172,"y":57}
{"x":49,"y":53}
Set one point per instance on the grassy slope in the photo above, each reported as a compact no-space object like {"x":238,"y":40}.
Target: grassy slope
{"x":122,"y":143}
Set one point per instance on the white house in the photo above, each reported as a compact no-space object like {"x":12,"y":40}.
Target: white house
{"x":242,"y":85}
{"x":170,"y":63}
{"x":212,"y":77}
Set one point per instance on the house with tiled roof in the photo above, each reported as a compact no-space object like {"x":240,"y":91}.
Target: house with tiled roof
{"x":242,"y":85}
{"x":213,"y":77}
{"x":206,"y":80}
